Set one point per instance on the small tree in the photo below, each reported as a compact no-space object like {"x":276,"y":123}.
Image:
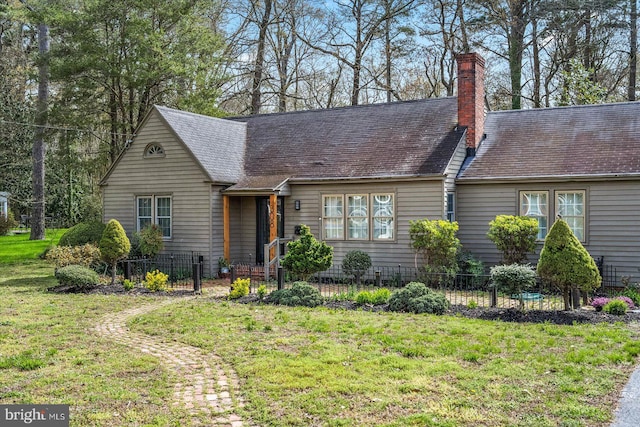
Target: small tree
{"x":513,"y":279}
{"x":356,"y":263}
{"x":514,"y":236}
{"x":566,"y":264}
{"x":150,"y":238}
{"x":114,"y":246}
{"x":307,"y":255}
{"x":436,"y":241}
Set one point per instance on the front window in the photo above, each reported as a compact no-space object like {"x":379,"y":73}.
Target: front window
{"x":451,"y":207}
{"x":332,"y":217}
{"x":570,"y":206}
{"x":358,"y":217}
{"x":155,"y":210}
{"x":535,"y":204}
{"x":367,"y":217}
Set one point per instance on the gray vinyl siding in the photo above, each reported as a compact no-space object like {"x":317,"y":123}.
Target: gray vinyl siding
{"x":176,"y":174}
{"x":612,"y":227}
{"x":452,"y":171}
{"x":414,"y":200}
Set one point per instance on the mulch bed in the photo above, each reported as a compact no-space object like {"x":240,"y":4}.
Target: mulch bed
{"x":501,"y":314}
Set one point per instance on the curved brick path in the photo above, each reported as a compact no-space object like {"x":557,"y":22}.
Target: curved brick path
{"x":204,"y":386}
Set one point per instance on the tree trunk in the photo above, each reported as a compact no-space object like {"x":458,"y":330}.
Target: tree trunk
{"x":566,"y":295}
{"x":256,"y":95}
{"x":39,"y":146}
{"x":633,"y":51}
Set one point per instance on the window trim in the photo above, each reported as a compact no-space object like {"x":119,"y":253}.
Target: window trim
{"x":325,"y":217}
{"x":348,"y":217}
{"x":584,"y":210}
{"x":154,"y":212}
{"x":520,"y":210}
{"x":450,"y":209}
{"x":153,"y":150}
{"x":393,"y":218}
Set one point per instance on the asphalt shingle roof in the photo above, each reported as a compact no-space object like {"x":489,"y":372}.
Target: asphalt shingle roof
{"x":217,"y":144}
{"x":379,"y":140}
{"x":558,"y":142}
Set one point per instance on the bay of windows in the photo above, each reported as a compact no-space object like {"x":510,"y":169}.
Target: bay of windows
{"x":154,"y":210}
{"x":359,"y":216}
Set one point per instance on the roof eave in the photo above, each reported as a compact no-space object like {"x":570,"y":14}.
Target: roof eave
{"x":550,"y":178}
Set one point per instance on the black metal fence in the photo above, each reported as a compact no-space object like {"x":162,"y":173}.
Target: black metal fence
{"x":179,"y":266}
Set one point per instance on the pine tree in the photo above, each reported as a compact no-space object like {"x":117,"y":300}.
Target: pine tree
{"x":307,"y":255}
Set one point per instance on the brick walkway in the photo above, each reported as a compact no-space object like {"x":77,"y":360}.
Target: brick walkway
{"x":204,"y":385}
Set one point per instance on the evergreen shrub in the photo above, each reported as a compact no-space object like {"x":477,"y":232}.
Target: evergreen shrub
{"x":300,"y":294}
{"x":87,"y":255}
{"x":83,"y":233}
{"x":416,"y":297}
{"x":616,"y":307}
{"x":240,"y":288}
{"x":356,"y":263}
{"x":7,"y":223}
{"x":77,"y":275}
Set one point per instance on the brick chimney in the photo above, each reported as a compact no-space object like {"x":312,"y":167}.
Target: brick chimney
{"x":471,"y":98}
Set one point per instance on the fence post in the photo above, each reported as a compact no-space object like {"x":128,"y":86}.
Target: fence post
{"x":172,"y":276}
{"x":232,"y":273}
{"x":493,"y":296}
{"x":280,"y":278}
{"x":197,"y":284}
{"x":378,"y":279}
{"x":201,"y":263}
{"x":399,"y":276}
{"x":127,"y":269}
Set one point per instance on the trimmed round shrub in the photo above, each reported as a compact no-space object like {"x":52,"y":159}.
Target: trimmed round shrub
{"x":300,"y":294}
{"x":616,"y":307}
{"x":77,"y":275}
{"x":356,"y":263}
{"x":416,"y":297}
{"x":83,"y":233}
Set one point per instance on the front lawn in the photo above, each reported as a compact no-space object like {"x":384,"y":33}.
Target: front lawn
{"x":305,"y":367}
{"x":18,"y":247}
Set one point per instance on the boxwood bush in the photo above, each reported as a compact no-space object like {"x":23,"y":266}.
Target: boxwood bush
{"x":300,"y":294}
{"x":82,"y":233}
{"x":416,"y":297}
{"x":77,"y":275}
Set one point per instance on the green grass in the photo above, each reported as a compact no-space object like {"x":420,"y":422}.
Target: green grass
{"x":351,"y":368}
{"x":48,"y":355}
{"x":18,"y":247}
{"x":301,"y":367}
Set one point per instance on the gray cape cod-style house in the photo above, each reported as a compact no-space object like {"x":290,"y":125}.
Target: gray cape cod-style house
{"x":357,"y":175}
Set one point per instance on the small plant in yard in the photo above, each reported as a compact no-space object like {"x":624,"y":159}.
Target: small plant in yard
{"x":633,"y":293}
{"x":114,"y":246}
{"x":7,"y":223}
{"x":83,"y":233}
{"x":307,"y":255}
{"x":416,"y":297}
{"x":616,"y":307}
{"x":436,"y":242}
{"x":599,"y":302}
{"x":87,"y":255}
{"x":239,"y":288}
{"x":262,"y":292}
{"x":156,"y":281}
{"x":513,"y":279}
{"x":128,"y":284}
{"x":344,"y":296}
{"x":472,"y":304}
{"x":77,"y":275}
{"x":626,"y":300}
{"x":356,"y":263}
{"x":150,"y":240}
{"x":514,"y":236}
{"x":377,"y":297}
{"x":300,"y":293}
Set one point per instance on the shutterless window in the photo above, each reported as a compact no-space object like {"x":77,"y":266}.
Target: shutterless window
{"x":333,"y":217}
{"x":570,"y":205}
{"x":451,"y":211}
{"x":154,"y":210}
{"x":383,"y":216}
{"x":536,"y":205}
{"x":358,"y":217}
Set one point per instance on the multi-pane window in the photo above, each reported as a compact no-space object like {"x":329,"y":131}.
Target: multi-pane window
{"x":154,"y":150}
{"x":383,"y":211}
{"x":154,"y":210}
{"x":333,"y":217}
{"x":357,"y":217}
{"x":451,"y":207}
{"x":367,"y":216}
{"x":570,"y":206}
{"x":536,"y":205}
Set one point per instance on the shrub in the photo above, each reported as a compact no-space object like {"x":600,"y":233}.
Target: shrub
{"x":626,"y":300}
{"x":150,"y":240}
{"x":77,"y":275}
{"x":436,"y":241}
{"x":87,"y":255}
{"x":128,"y":285}
{"x":599,"y":302}
{"x":156,"y":281}
{"x":471,"y":266}
{"x":239,"y":288}
{"x":7,"y":223}
{"x":416,"y":297}
{"x":472,"y":304}
{"x":377,"y":297}
{"x":566,"y":264}
{"x":83,"y":233}
{"x":514,"y":236}
{"x":262,"y":292}
{"x":114,"y":246}
{"x":513,"y":279}
{"x":307,"y":255}
{"x":616,"y":307}
{"x":300,"y":294}
{"x":356,"y":263}
{"x":632,"y":293}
